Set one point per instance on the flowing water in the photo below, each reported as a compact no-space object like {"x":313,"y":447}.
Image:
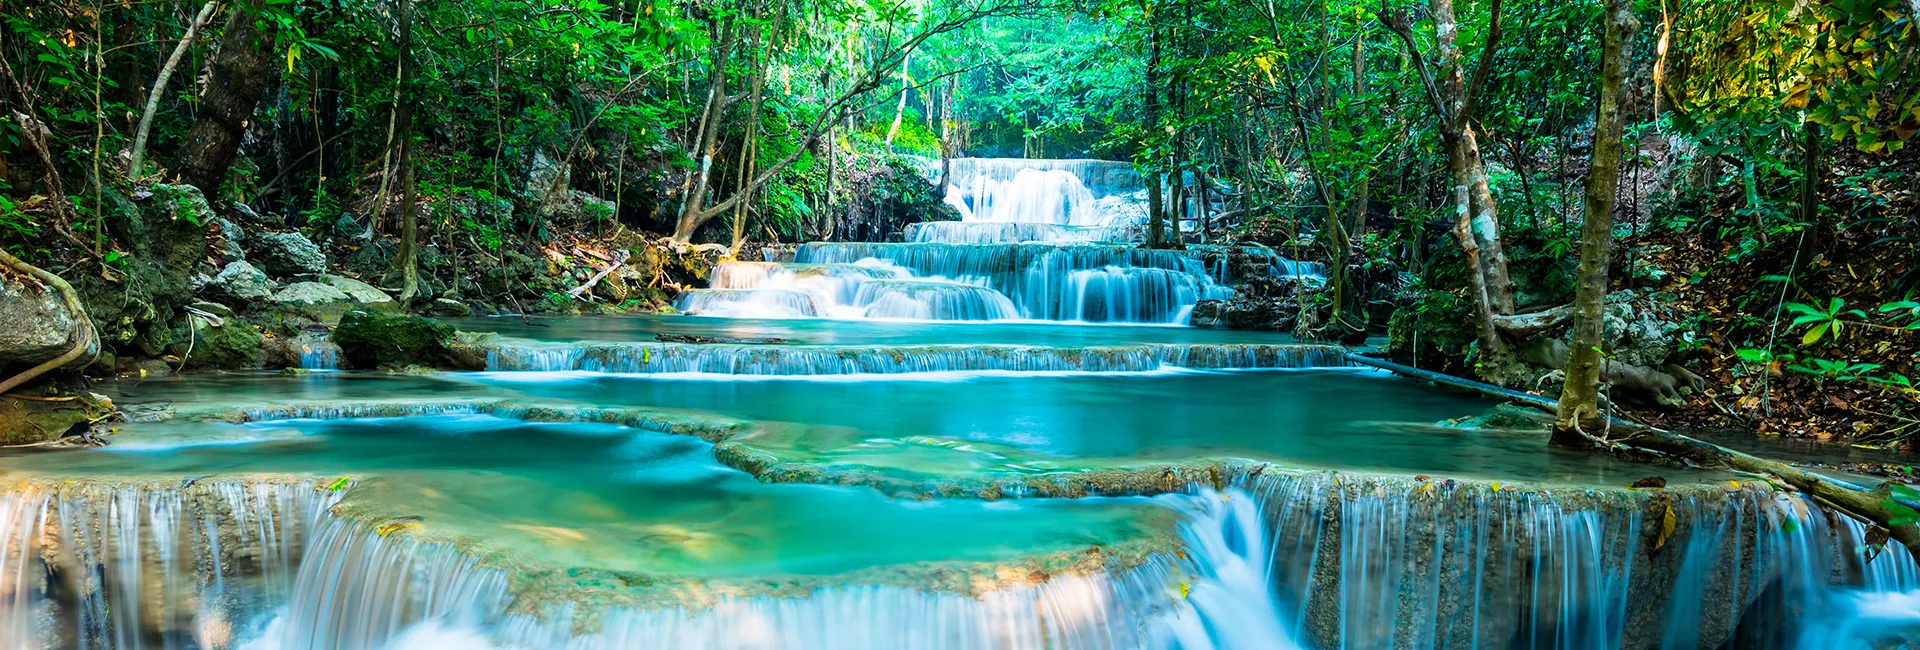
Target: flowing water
{"x":993,"y":436}
{"x":1037,"y":240}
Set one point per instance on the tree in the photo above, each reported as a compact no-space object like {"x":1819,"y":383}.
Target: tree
{"x":1578,"y":421}
{"x":407,"y":259}
{"x":239,"y":74}
{"x":1477,"y":217}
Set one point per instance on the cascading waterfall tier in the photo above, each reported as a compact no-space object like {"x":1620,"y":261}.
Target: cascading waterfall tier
{"x":1059,"y":192}
{"x":1060,"y":282}
{"x":155,"y":566}
{"x":749,"y":303}
{"x":1279,"y":560}
{"x":1399,"y":563}
{"x":640,"y":358}
{"x":1013,"y":232}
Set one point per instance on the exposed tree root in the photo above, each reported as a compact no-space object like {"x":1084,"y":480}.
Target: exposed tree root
{"x":85,"y":342}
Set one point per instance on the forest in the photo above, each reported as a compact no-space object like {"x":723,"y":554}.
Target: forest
{"x":1674,"y":232}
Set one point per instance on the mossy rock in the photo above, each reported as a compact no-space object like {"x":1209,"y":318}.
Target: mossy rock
{"x":30,"y":420}
{"x":233,"y":345}
{"x":371,"y":339}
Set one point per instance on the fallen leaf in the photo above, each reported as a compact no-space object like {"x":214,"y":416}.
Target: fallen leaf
{"x":1667,"y":523}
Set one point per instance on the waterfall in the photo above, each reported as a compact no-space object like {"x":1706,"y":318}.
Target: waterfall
{"x":361,"y":590}
{"x":1013,"y":232}
{"x":933,"y":300}
{"x":1273,"y":560}
{"x":133,"y":567}
{"x":1399,"y":563}
{"x":1060,"y":282}
{"x":749,"y":303}
{"x":319,"y":356}
{"x":1053,"y":238}
{"x":1058,"y":192}
{"x":648,"y":358}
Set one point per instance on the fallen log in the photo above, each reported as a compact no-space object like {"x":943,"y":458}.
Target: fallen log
{"x":695,"y":338}
{"x":619,"y":257}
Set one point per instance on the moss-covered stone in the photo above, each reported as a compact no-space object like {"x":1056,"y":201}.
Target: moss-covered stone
{"x":27,"y":420}
{"x":371,"y":339}
{"x":235,"y":344}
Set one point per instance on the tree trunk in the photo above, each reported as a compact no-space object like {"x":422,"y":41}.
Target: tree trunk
{"x":749,"y":156}
{"x":946,"y":137}
{"x":160,"y":86}
{"x":1577,"y":421}
{"x":707,"y":141}
{"x":1156,"y":209}
{"x":407,"y":259}
{"x":239,"y":75}
{"x":1483,"y":223}
{"x":900,"y":109}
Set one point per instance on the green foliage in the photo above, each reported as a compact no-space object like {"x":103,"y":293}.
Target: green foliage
{"x":1822,"y":321}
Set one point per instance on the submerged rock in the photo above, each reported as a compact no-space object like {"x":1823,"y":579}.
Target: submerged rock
{"x":370,"y":339}
{"x":288,"y":253}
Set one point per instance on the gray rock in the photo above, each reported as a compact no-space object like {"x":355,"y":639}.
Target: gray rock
{"x":349,"y":230}
{"x":1638,"y":331}
{"x":300,"y":294}
{"x":249,"y":215}
{"x":360,"y":292}
{"x":214,"y":308}
{"x":288,"y":253}
{"x":449,"y":307}
{"x":34,"y":325}
{"x":230,"y":237}
{"x":240,"y":281}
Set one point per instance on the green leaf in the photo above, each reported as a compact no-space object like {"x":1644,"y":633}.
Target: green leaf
{"x":1814,"y":334}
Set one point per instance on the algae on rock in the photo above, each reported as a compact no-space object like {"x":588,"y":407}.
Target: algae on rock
{"x":370,"y":339}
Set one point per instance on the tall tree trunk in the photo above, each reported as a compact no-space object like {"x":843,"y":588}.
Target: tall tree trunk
{"x":707,"y":141}
{"x":946,"y":137}
{"x":239,"y":75}
{"x":1477,"y":217}
{"x":1156,"y":209}
{"x":407,"y":259}
{"x":749,"y":156}
{"x":159,"y":90}
{"x":1578,"y":421}
{"x":900,"y":109}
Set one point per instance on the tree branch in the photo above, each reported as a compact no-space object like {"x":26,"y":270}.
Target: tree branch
{"x":1397,"y":21}
{"x":1485,"y":67}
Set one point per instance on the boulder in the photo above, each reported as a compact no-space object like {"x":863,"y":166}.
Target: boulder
{"x":369,"y":339}
{"x":214,"y":308}
{"x":35,"y":325}
{"x":165,"y":230}
{"x":1208,"y":313}
{"x":248,"y":215}
{"x":449,"y":307}
{"x":27,"y":421}
{"x":360,"y":292}
{"x":230,"y":238}
{"x":288,"y":253}
{"x":306,"y":294}
{"x":240,"y":282}
{"x":1637,"y":329}
{"x":234,"y":344}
